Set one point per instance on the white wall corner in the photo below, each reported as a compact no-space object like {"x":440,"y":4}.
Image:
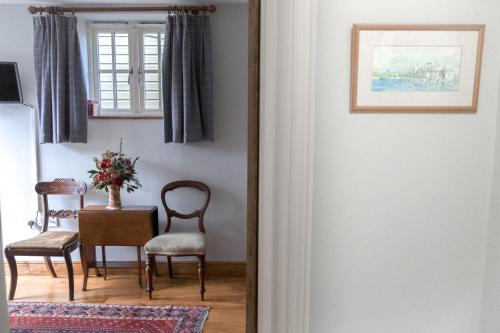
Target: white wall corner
{"x":288,"y":35}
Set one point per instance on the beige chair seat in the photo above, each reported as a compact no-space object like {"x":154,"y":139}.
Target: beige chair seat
{"x":56,"y":240}
{"x":177,"y":243}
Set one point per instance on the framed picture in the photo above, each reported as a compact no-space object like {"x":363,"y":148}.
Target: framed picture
{"x":416,"y":68}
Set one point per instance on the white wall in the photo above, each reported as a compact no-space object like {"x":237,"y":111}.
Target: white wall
{"x":490,"y":319}
{"x":400,"y":202}
{"x":18,"y":203}
{"x":221,"y":164}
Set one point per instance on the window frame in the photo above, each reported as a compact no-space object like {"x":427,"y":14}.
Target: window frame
{"x":136,"y":59}
{"x":149,"y":28}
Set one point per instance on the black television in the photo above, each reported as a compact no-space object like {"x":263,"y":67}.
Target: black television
{"x":10,"y":86}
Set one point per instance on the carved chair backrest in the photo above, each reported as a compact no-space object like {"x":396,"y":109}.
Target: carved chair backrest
{"x":64,"y":186}
{"x":200,"y":213}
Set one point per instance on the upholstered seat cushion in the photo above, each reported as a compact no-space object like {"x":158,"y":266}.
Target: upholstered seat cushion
{"x":54,"y":240}
{"x":177,"y":243}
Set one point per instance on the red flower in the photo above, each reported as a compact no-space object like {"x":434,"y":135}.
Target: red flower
{"x":101,"y":176}
{"x":105,"y":163}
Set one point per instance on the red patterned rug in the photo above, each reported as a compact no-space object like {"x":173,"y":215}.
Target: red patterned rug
{"x":86,"y":318}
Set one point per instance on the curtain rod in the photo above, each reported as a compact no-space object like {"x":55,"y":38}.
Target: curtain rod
{"x":175,"y":9}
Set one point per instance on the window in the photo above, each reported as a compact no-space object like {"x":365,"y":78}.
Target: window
{"x":125,"y":68}
{"x":152,"y":47}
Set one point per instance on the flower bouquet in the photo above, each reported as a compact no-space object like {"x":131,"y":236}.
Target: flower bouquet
{"x":114,"y":171}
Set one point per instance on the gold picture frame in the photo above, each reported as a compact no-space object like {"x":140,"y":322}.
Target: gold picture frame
{"x":416,"y":68}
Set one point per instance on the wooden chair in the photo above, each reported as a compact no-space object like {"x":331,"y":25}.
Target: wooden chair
{"x":49,"y":243}
{"x":179,"y":244}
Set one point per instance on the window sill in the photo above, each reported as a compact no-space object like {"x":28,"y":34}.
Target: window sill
{"x":127,"y":117}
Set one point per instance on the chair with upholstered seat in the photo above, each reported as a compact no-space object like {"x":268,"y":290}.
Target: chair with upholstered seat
{"x":49,"y":243}
{"x":179,"y":244}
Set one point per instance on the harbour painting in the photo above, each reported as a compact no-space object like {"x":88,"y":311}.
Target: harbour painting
{"x":416,"y":68}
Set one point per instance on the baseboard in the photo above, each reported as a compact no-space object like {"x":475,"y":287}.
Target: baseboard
{"x":213,"y":268}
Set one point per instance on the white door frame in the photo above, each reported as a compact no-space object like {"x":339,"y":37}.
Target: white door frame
{"x":288,"y":37}
{"x":3,"y":295}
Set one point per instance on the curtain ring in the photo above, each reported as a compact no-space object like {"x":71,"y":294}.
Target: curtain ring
{"x":73,"y":11}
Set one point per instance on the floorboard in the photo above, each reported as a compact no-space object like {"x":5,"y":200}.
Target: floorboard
{"x":224,"y":295}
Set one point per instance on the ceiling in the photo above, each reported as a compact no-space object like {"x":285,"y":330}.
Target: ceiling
{"x":118,"y":2}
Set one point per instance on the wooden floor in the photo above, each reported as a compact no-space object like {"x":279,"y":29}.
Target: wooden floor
{"x":225,"y":296}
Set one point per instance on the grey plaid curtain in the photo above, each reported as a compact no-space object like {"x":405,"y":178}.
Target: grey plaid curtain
{"x":61,"y":91}
{"x":187,"y":85}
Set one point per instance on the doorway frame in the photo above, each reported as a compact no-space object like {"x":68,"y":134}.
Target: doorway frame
{"x":254,"y":22}
{"x":282,"y":69}
{"x":282,"y":37}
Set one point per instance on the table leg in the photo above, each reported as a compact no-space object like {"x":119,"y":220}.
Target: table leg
{"x":103,"y":253}
{"x":139,"y":266}
{"x":85,"y":267}
{"x":89,"y":254}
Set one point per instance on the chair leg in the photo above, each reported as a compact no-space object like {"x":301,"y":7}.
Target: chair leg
{"x":170,"y":270}
{"x":85,"y":267}
{"x":155,"y":269}
{"x":201,"y":275}
{"x":71,"y":282}
{"x":149,"y":272}
{"x":13,"y":274}
{"x":50,"y":267}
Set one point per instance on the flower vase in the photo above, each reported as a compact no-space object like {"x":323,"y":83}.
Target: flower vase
{"x":114,"y":201}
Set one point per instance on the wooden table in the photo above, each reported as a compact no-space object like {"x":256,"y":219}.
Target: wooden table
{"x":129,"y":226}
